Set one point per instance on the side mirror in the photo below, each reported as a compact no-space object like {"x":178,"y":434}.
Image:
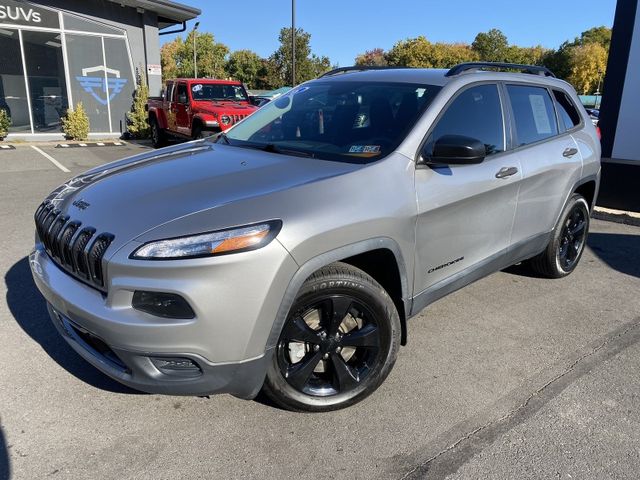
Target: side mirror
{"x":454,"y":150}
{"x":182,"y":98}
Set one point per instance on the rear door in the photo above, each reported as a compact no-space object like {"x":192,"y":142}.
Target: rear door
{"x":167,"y":106}
{"x":549,"y":156}
{"x":466,"y":212}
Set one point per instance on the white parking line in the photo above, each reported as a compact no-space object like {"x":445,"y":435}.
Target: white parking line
{"x":51,"y":159}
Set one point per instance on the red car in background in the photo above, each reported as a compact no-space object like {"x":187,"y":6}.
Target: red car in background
{"x":193,"y":107}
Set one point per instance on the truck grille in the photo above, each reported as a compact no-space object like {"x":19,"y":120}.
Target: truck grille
{"x":76,"y":249}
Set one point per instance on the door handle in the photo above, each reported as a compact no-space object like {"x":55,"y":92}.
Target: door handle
{"x":505,"y":172}
{"x":569,"y":152}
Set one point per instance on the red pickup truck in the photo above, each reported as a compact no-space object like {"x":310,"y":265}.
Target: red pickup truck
{"x":190,"y":107}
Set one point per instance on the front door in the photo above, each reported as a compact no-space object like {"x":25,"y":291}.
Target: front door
{"x":182,"y":110}
{"x":465,"y":212}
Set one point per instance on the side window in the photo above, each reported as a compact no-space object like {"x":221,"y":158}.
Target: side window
{"x":475,"y":113}
{"x":569,"y":116}
{"x":168,"y":93}
{"x":533,"y":113}
{"x":182,"y":96}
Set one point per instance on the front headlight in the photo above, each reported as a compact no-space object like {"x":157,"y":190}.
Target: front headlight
{"x":221,"y":242}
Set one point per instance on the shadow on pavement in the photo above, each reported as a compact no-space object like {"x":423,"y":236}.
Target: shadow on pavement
{"x":30,"y":311}
{"x":5,"y":468}
{"x":620,"y":251}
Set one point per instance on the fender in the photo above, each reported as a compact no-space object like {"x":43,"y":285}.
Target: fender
{"x":158,"y":114}
{"x":582,"y":181}
{"x":327,"y":258}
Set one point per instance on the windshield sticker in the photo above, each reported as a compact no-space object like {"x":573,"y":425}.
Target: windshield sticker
{"x":365,"y":149}
{"x":196,"y":88}
{"x":300,"y":90}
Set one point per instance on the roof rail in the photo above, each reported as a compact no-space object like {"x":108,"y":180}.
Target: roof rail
{"x":532,"y":69}
{"x":358,"y":68}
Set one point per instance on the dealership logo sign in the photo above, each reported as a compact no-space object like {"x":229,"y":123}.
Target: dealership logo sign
{"x":102,"y":89}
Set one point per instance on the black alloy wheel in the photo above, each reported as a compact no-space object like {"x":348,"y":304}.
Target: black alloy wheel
{"x":338,"y":343}
{"x":572,"y":238}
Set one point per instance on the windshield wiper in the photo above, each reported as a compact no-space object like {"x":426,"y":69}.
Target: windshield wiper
{"x":223,"y":136}
{"x":273,"y":148}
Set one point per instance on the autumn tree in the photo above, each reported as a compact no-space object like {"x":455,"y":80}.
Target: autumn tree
{"x":420,"y":52}
{"x":245,"y":66}
{"x":375,"y":57}
{"x":168,"y":56}
{"x":587,"y":64}
{"x":177,"y":57}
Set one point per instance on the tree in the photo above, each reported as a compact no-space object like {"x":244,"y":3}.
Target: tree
{"x":419,"y":52}
{"x":491,"y":46}
{"x":526,"y":55}
{"x":375,"y":57}
{"x":587,"y":62}
{"x":137,"y":117}
{"x":600,"y":35}
{"x":244,"y":65}
{"x":177,"y":57}
{"x":308,"y":65}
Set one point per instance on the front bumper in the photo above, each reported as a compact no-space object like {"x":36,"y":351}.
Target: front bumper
{"x":225,"y":342}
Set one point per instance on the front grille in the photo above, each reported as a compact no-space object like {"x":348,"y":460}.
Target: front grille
{"x":76,"y":249}
{"x":236,"y":118}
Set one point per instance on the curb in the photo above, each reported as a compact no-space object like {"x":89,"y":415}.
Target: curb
{"x":617,"y":216}
{"x":90,"y":144}
{"x":7,"y":147}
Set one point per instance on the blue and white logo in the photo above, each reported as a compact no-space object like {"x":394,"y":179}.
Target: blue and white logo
{"x":103,"y":91}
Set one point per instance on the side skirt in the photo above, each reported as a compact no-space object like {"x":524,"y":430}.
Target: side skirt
{"x":516,"y":253}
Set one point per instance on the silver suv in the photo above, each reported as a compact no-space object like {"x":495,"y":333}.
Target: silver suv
{"x":287,"y":254}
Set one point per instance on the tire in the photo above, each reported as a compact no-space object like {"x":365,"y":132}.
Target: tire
{"x":158,"y":138}
{"x":196,"y":132}
{"x":338,"y":344}
{"x":568,"y":240}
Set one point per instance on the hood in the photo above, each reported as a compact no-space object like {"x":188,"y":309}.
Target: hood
{"x":225,"y":106}
{"x":129,"y":197}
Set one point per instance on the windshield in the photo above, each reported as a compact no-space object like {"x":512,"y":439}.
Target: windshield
{"x":348,"y":121}
{"x":209,"y":91}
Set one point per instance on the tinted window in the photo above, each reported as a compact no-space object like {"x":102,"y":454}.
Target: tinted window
{"x":569,"y":116}
{"x":475,"y":113}
{"x":533,"y":113}
{"x":182,"y":92}
{"x":353,"y":121}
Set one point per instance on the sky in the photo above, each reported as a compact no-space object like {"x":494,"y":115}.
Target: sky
{"x":341,"y":29}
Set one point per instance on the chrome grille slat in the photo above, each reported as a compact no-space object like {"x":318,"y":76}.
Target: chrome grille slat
{"x":78,"y":250}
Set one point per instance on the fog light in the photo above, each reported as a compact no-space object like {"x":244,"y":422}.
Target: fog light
{"x":160,"y":304}
{"x":177,"y":366}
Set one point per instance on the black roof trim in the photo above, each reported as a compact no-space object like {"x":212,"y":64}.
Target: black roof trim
{"x":475,"y":66}
{"x":359,"y":68}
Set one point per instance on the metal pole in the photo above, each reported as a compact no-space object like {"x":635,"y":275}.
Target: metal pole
{"x":195,"y":58}
{"x":293,"y":43}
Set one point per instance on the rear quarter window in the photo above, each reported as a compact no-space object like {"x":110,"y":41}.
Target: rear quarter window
{"x":567,"y":112}
{"x":533,"y":113}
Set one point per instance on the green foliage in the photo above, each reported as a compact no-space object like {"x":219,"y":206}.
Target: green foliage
{"x":138,"y":125}
{"x":245,"y":66}
{"x":308,"y":65}
{"x":177,"y":57}
{"x":491,"y":46}
{"x":419,"y":52}
{"x":5,"y":123}
{"x":75,"y":124}
{"x":587,"y":62}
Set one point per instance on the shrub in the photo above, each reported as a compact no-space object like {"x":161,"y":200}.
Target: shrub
{"x":138,"y":126}
{"x":5,"y":123}
{"x":76,"y":123}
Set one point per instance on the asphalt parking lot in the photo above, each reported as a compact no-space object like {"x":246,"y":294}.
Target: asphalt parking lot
{"x":512,"y":377}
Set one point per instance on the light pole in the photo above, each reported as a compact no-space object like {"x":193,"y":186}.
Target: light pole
{"x":598,"y":90}
{"x":293,"y":43}
{"x":195,"y":58}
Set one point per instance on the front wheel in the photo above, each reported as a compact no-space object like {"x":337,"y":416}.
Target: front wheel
{"x":157,"y":134}
{"x":338,"y":343}
{"x":567,"y":243}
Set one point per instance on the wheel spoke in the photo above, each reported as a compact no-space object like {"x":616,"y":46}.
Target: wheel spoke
{"x":367,"y":337}
{"x":344,"y":376}
{"x":298,"y":374}
{"x":334,"y":310}
{"x":297,"y":329}
{"x":578,"y":228}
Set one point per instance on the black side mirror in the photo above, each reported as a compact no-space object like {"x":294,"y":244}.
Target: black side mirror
{"x":454,"y":150}
{"x":182,"y":98}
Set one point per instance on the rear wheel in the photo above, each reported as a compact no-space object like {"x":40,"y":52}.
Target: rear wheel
{"x":338,"y":344}
{"x":157,"y":134}
{"x":196,"y":132}
{"x":567,"y":243}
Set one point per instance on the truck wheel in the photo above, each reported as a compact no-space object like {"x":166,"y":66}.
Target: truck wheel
{"x":567,"y":243}
{"x":196,"y":133}
{"x":157,"y":134}
{"x":338,"y":344}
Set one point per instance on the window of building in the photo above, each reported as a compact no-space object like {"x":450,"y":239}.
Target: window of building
{"x":13,"y":93}
{"x":46,"y":79}
{"x":533,"y":113}
{"x":569,"y":116}
{"x":73,"y":22}
{"x":475,"y":113}
{"x":121,"y":84}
